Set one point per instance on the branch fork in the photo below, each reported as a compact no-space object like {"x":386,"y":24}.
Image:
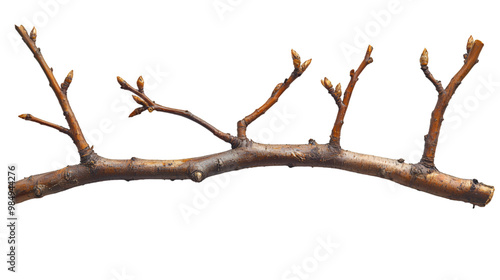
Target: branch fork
{"x":245,"y":153}
{"x":344,"y":103}
{"x":473,"y":49}
{"x":74,"y":131}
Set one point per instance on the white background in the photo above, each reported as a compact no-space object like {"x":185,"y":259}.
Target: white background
{"x":221,"y":64}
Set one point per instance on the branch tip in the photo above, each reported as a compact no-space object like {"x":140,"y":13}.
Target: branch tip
{"x":67,"y":82}
{"x":424,"y":58}
{"x":139,"y":101}
{"x":32,"y":118}
{"x":326,"y":83}
{"x":33,"y":34}
{"x":137,"y":111}
{"x":121,"y":81}
{"x":296,"y":59}
{"x":304,"y":65}
{"x":338,"y":89}
{"x":140,"y":84}
{"x":25,"y":116}
{"x":470,"y":43}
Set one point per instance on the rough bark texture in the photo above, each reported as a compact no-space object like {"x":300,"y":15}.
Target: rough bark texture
{"x":98,"y":169}
{"x":245,"y":153}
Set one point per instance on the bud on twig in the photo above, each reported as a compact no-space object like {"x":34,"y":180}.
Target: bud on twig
{"x":337,"y":93}
{"x":137,"y":111}
{"x":326,"y":83}
{"x":338,"y":90}
{"x":67,"y":81}
{"x":121,"y":81}
{"x":304,"y":65}
{"x":33,"y":34}
{"x":275,"y":90}
{"x":470,"y":42}
{"x":25,"y":116}
{"x":140,"y":84}
{"x":139,"y":101}
{"x":296,"y":59}
{"x":424,"y":58}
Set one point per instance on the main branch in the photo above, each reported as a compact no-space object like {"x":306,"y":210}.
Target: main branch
{"x":245,"y":153}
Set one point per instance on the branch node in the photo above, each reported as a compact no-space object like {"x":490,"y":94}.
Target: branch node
{"x":473,"y":48}
{"x":278,"y":86}
{"x":197,"y":176}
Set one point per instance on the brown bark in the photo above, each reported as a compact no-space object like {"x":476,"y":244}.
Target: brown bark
{"x":245,"y":153}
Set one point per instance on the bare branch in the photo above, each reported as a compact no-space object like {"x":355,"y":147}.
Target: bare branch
{"x":422,"y":176}
{"x":32,"y":118}
{"x":74,"y":128}
{"x":275,"y":95}
{"x":147,"y":104}
{"x":424,"y":60}
{"x":431,"y":139}
{"x":339,"y":121}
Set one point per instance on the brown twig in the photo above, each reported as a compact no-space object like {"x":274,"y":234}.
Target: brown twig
{"x":422,"y":176}
{"x":74,"y":128}
{"x":147,"y":104}
{"x":431,"y":139}
{"x":424,"y":59}
{"x":344,"y":104}
{"x":32,"y":118}
{"x":275,"y":95}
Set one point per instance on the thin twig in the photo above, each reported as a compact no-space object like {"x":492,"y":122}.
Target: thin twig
{"x":275,"y":95}
{"x":32,"y":118}
{"x":74,"y":128}
{"x":148,"y":104}
{"x":424,"y":60}
{"x":339,"y":121}
{"x":431,"y":139}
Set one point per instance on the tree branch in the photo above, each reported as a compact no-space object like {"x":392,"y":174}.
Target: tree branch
{"x":431,"y":139}
{"x":422,"y":176}
{"x":343,"y":104}
{"x":32,"y":118}
{"x":275,"y":95}
{"x":424,"y":59}
{"x":148,"y":104}
{"x":74,"y":128}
